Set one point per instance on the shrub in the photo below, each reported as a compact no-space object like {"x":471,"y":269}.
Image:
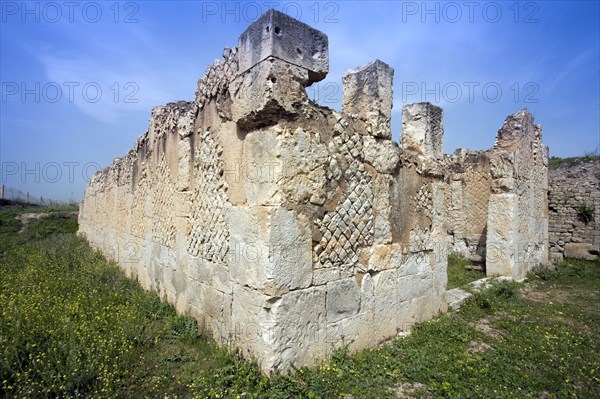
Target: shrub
{"x":585,"y":213}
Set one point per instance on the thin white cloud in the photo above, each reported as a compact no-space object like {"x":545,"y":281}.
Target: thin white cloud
{"x":104,"y":80}
{"x":571,"y":67}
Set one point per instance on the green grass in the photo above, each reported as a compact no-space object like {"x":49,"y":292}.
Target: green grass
{"x":53,"y":224}
{"x":71,"y":325}
{"x":458,"y":276}
{"x":556,"y":162}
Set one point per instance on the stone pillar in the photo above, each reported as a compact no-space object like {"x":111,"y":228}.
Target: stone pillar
{"x":501,"y":235}
{"x":422,"y":130}
{"x":368,"y":96}
{"x":517,"y":225}
{"x":1,"y":191}
{"x":545,"y":217}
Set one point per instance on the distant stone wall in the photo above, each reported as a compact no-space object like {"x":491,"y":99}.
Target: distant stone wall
{"x":574,"y":196}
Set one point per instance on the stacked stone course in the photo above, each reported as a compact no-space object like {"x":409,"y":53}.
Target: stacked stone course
{"x":573,"y":189}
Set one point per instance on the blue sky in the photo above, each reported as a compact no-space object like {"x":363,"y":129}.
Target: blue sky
{"x":79,"y":79}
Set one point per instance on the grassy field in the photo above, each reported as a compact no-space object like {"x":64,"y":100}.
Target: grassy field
{"x":458,"y":276}
{"x":71,"y":325}
{"x":556,"y":162}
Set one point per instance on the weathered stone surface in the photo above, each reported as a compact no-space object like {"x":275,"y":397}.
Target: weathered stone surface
{"x":574,"y":208}
{"x":343,"y":299}
{"x":304,"y":178}
{"x":501,"y":235}
{"x":581,"y":251}
{"x":456,"y":297}
{"x":254,"y":323}
{"x":287,"y":228}
{"x":519,"y":199}
{"x":385,"y":284}
{"x":368,"y":96}
{"x":299,"y":334}
{"x":277,"y":35}
{"x":414,"y":286}
{"x":422,"y":130}
{"x":268,"y":92}
{"x":270,"y":249}
{"x":383,"y":155}
{"x":351,"y":331}
{"x":290,"y":249}
{"x":384,"y":257}
{"x":262,"y":168}
{"x":382,"y":209}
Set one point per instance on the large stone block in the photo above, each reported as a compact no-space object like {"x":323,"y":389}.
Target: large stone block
{"x":300,"y":334}
{"x":422,"y":130}
{"x":368,"y":95}
{"x":356,"y":331}
{"x":386,"y":303}
{"x":270,"y":249}
{"x":503,"y":171}
{"x":581,"y":251}
{"x":383,"y":155}
{"x":343,"y":299}
{"x":516,"y":129}
{"x":261,"y":170}
{"x":501,"y":235}
{"x":303,"y":177}
{"x":277,"y":35}
{"x":382,"y":209}
{"x":418,"y":263}
{"x":385,"y":257}
{"x":417,"y":310}
{"x":272,"y":90}
{"x":248,"y":243}
{"x":290,"y":247}
{"x":414,"y":286}
{"x":254,"y":323}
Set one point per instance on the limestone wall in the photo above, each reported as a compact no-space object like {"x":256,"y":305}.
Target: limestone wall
{"x":283,"y":227}
{"x":469,"y":189}
{"x":574,"y":196}
{"x":497,"y":200}
{"x":286,"y":228}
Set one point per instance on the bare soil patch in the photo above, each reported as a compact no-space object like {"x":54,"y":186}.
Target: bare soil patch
{"x":25,"y":218}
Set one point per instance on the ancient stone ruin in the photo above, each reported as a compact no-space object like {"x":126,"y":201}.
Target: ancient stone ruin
{"x":286,"y":228}
{"x":498,"y":200}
